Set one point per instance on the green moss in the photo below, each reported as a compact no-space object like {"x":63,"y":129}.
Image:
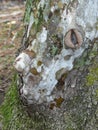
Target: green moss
{"x":28,"y":11}
{"x":97,"y":93}
{"x":14,"y":114}
{"x":37,"y":13}
{"x":93,"y":74}
{"x":88,"y":56}
{"x":10,"y":100}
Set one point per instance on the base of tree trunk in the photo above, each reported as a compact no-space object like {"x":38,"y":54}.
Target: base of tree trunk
{"x":79,"y":110}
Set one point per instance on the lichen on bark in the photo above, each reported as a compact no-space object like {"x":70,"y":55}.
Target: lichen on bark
{"x":55,"y":77}
{"x":58,"y":24}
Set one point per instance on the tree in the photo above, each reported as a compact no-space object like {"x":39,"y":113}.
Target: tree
{"x":57,"y":68}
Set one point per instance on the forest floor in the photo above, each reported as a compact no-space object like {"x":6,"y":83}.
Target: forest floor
{"x":11,"y":31}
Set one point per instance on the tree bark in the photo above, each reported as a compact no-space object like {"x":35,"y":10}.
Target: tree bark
{"x":57,"y":66}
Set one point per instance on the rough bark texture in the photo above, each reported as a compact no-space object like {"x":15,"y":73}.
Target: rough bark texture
{"x":58,"y":68}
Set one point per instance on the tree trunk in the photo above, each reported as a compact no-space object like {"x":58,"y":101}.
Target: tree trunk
{"x":57,"y":67}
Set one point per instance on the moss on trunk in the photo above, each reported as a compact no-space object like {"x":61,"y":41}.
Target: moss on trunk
{"x":81,"y":110}
{"x":78,"y":110}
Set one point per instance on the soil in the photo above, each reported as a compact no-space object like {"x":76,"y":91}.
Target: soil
{"x":11,"y":31}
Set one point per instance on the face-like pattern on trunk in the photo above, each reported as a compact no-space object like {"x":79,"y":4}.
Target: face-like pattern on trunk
{"x":59,"y":41}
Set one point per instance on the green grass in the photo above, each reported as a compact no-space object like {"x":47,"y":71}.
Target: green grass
{"x":14,"y":114}
{"x":10,"y":103}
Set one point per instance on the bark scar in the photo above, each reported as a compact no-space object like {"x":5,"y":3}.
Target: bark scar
{"x":73,"y":38}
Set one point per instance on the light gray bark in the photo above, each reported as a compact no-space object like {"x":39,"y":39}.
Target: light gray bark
{"x":53,"y":67}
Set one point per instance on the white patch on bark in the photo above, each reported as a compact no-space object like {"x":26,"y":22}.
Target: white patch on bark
{"x":42,"y":36}
{"x":39,"y":86}
{"x":30,"y":24}
{"x":87,"y":17}
{"x":41,"y":4}
{"x":22,"y":63}
{"x":42,"y":91}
